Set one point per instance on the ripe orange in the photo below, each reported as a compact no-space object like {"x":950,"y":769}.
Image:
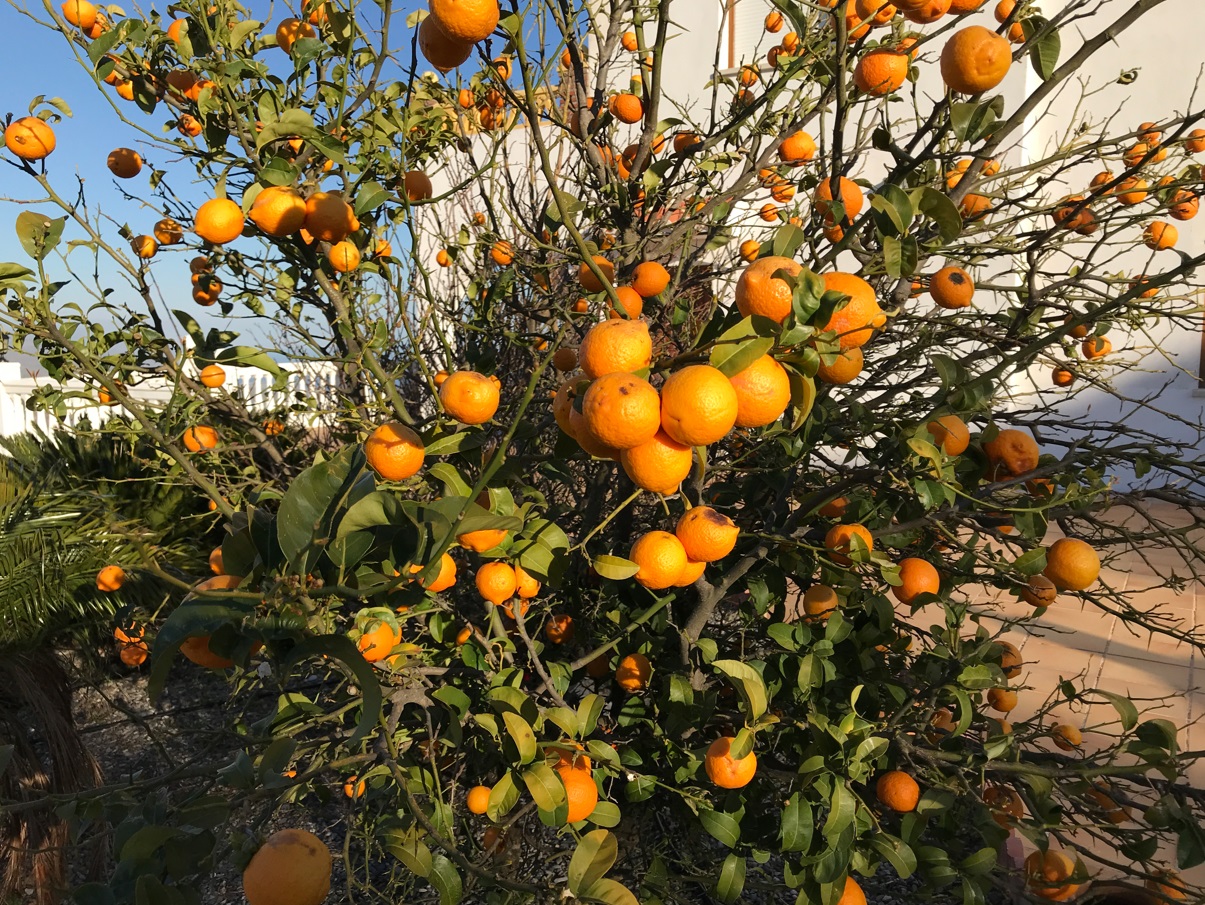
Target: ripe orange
{"x":1184,"y":205}
{"x":589,"y":281}
{"x":659,"y":465}
{"x":1072,"y":564}
{"x":580,"y":792}
{"x":633,"y":672}
{"x":394,"y":451}
{"x":559,"y":629}
{"x":1167,"y":883}
{"x":1002,"y":699}
{"x":187,"y":125}
{"x":215,"y":562}
{"x":898,"y":791}
{"x":219,"y":221}
{"x":1160,"y":235}
{"x":213,"y":376}
{"x":502,"y":253}
{"x":444,"y":580}
{"x":1005,"y":803}
{"x":924,"y":11}
{"x":168,"y":232}
{"x":852,"y":894}
{"x":124,"y":163}
{"x":468,"y":21}
{"x":759,"y":292}
{"x":278,"y":211}
{"x":838,"y":541}
{"x":661,"y":558}
{"x":1047,"y":873}
{"x":480,"y":541}
{"x":845,"y":368}
{"x":1131,"y":191}
{"x":1010,"y":659}
{"x":478,"y":799}
{"x":698,"y":405}
{"x":1096,"y":347}
{"x":1012,"y":452}
{"x":469,"y":397}
{"x":820,"y":601}
{"x":692,"y":573}
{"x":854,"y":324}
{"x":650,"y":279}
{"x":918,"y":576}
{"x":443,"y":259}
{"x":631,"y":303}
{"x":950,"y":433}
{"x":110,"y":579}
{"x":851,"y":199}
{"x":418,"y":186}
{"x":1066,"y":736}
{"x":749,"y":250}
{"x":615,"y":345}
{"x":797,"y":148}
{"x":290,"y":30}
{"x":293,"y":867}
{"x":622,"y":410}
{"x":344,"y":257}
{"x":355,"y":787}
{"x":629,"y":41}
{"x":975,"y":59}
{"x":881,"y":71}
{"x":207,"y":290}
{"x":30,"y":138}
{"x":80,"y":13}
{"x":497,"y":582}
{"x":144,"y":247}
{"x":378,"y":641}
{"x":726,"y":771}
{"x":706,"y":535}
{"x":763,"y":392}
{"x":200,"y":437}
{"x":626,"y":107}
{"x":1061,"y":377}
{"x":769,"y":213}
{"x":952,"y":287}
{"x":328,"y":218}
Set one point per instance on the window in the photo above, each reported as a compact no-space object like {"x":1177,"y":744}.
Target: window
{"x":747,"y":38}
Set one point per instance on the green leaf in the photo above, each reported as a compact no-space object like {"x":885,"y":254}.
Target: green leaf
{"x":797,"y":824}
{"x":720,"y":826}
{"x":787,"y":240}
{"x":749,"y":681}
{"x":594,"y":856}
{"x":900,"y":256}
{"x":503,"y":797}
{"x":409,"y":848}
{"x":370,"y":196}
{"x":304,"y":519}
{"x":520,"y":732}
{"x":446,"y":880}
{"x":146,"y":840}
{"x":841,"y":812}
{"x":615,"y":568}
{"x":938,"y":207}
{"x":1126,"y":711}
{"x":803,"y":396}
{"x":546,"y":788}
{"x":1044,"y":52}
{"x":610,"y":892}
{"x":1031,"y":562}
{"x":896,"y":852}
{"x":38,"y":233}
{"x":731,"y":881}
{"x":341,"y":650}
{"x":732,"y":358}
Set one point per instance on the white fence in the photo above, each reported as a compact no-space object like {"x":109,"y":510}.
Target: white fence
{"x":313,"y":386}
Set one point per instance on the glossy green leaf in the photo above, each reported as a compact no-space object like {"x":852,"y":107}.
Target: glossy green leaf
{"x":594,"y":856}
{"x":749,"y":682}
{"x":731,"y":881}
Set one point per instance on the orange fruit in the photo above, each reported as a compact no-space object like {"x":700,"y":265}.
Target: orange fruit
{"x":124,"y":163}
{"x":706,"y":535}
{"x":328,"y":218}
{"x":759,"y":292}
{"x":344,"y":257}
{"x":290,"y":30}
{"x":355,"y":789}
{"x":1006,"y":804}
{"x":615,"y":345}
{"x":749,"y":250}
{"x":797,"y":148}
{"x":629,"y":41}
{"x":658,"y":465}
{"x":502,"y":253}
{"x":110,"y":579}
{"x":292,"y":867}
{"x":661,"y":559}
{"x":497,"y":582}
{"x":480,"y":541}
{"x":631,"y":303}
{"x":1047,"y":873}
{"x":834,"y":508}
{"x":845,"y":368}
{"x":168,"y":232}
{"x":1004,"y":9}
{"x":1184,"y":205}
{"x":1061,"y":377}
{"x":854,"y":324}
{"x":975,"y":59}
{"x":378,"y":641}
{"x":820,"y":601}
{"x":219,"y":221}
{"x":1010,"y":659}
{"x":961,"y":7}
{"x":444,"y":580}
{"x":881,"y":71}
{"x":589,"y":281}
{"x":493,"y":840}
{"x":1012,"y":452}
{"x":144,"y":247}
{"x":952,"y":287}
{"x":278,"y":211}
{"x":1072,"y":564}
{"x":650,"y":279}
{"x":852,"y":894}
{"x":924,"y":11}
{"x":917,"y":576}
{"x":698,"y":405}
{"x":29,"y":138}
{"x":692,"y":573}
{"x":1002,"y":700}
{"x":478,"y":799}
{"x":726,"y":771}
{"x":626,"y":107}
{"x":215,"y":562}
{"x":898,"y":791}
{"x":417,"y":185}
{"x":565,"y":358}
{"x":469,"y":397}
{"x":200,"y":437}
{"x":774,"y":22}
{"x":394,"y":451}
{"x":80,"y":13}
{"x":580,"y":792}
{"x":1160,"y":235}
{"x":1066,"y":736}
{"x":1096,"y":347}
{"x":769,"y":213}
{"x":187,"y":124}
{"x":443,"y":259}
{"x":213,"y":376}
{"x":559,"y":629}
{"x":633,"y":672}
{"x":950,"y":433}
{"x":622,"y":410}
{"x":207,"y":291}
{"x":468,"y":21}
{"x":1167,"y":883}
{"x":851,"y":199}
{"x":1131,"y":191}
{"x":838,"y":541}
{"x":763,"y":392}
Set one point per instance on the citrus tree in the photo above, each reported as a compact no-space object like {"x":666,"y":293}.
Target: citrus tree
{"x":675,"y":453}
